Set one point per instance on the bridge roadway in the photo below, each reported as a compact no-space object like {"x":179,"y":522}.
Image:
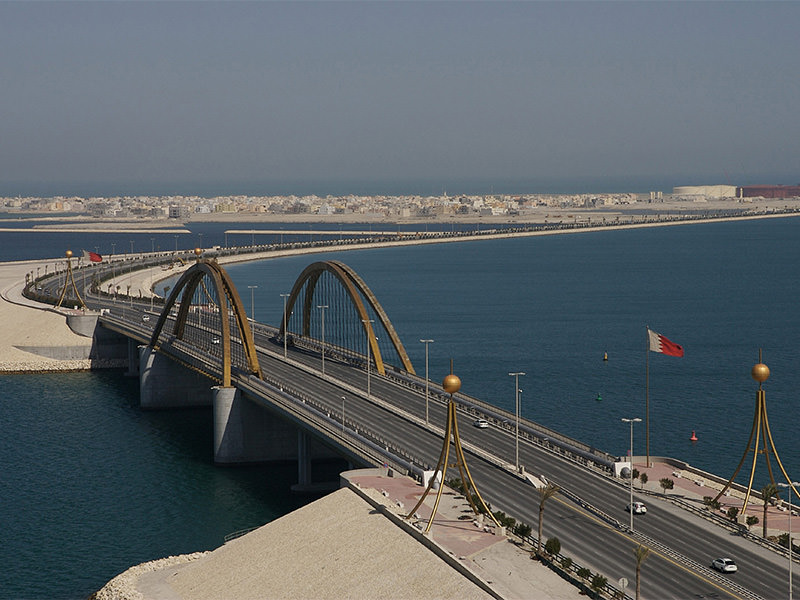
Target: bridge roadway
{"x":682,"y":544}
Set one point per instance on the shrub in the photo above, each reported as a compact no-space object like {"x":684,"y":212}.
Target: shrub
{"x":456,"y":484}
{"x":643,"y":479}
{"x":598,"y":583}
{"x":751,"y":520}
{"x":552,"y":546}
{"x":711,"y":503}
{"x":566,"y":563}
{"x":584,"y":573}
{"x":504,"y":519}
{"x":666,"y":484}
{"x":732,"y":513}
{"x":522,"y":530}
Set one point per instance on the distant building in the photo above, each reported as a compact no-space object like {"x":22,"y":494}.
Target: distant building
{"x":705,"y":192}
{"x":177,"y":211}
{"x":768,"y":191}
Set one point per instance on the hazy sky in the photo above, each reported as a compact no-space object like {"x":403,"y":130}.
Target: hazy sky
{"x":261,"y":97}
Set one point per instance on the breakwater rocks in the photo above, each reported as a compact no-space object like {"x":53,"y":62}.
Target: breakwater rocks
{"x":61,"y":366}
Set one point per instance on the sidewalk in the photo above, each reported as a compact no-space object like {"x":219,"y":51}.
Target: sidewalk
{"x":476,"y":544}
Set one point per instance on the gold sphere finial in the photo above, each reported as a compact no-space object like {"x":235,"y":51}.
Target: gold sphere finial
{"x":451,"y":384}
{"x":760,"y":372}
{"x":198,"y":252}
{"x":68,"y":253}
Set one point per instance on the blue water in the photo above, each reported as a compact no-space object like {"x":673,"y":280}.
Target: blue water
{"x":551,"y":306}
{"x":91,"y":485}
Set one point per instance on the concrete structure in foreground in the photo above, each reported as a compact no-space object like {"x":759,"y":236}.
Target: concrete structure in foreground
{"x":352,"y":543}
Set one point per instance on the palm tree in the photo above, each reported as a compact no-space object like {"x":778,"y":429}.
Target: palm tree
{"x":767,"y":492}
{"x":641,"y":553}
{"x":545,"y":493}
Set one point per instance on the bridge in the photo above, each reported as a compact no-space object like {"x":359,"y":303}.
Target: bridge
{"x":333,"y":380}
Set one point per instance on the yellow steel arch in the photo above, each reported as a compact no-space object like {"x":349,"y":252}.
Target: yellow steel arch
{"x":226,"y":292}
{"x":352,"y":284}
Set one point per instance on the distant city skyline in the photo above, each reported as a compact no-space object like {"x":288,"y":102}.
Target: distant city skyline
{"x":268,"y":98}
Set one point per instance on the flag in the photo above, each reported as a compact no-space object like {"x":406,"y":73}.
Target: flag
{"x":658,"y":343}
{"x":92,"y":256}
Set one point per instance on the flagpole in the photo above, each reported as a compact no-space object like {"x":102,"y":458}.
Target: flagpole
{"x":647,"y":399}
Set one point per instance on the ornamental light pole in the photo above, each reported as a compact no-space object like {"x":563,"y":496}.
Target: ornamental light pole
{"x":516,"y":402}
{"x":342,"y":415}
{"x":322,"y":308}
{"x":252,"y":310}
{"x":285,"y":323}
{"x":368,"y":328}
{"x":426,"y":342}
{"x":630,"y":476}
{"x":790,"y":486}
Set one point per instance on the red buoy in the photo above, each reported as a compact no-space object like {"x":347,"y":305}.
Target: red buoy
{"x":693,"y":438}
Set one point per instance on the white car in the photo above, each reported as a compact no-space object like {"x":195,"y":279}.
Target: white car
{"x":215,"y":340}
{"x":481,"y":423}
{"x":638,"y":508}
{"x":726,"y":565}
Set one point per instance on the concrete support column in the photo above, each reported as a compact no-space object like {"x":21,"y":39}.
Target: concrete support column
{"x":228,"y":425}
{"x":133,"y":359}
{"x":163,"y":383}
{"x":303,"y":460}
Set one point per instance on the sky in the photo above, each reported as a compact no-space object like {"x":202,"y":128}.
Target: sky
{"x":396,"y":97}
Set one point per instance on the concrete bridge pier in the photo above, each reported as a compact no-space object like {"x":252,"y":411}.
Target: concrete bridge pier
{"x":133,"y":359}
{"x":303,"y":461}
{"x":164,"y":383}
{"x":245,"y":432}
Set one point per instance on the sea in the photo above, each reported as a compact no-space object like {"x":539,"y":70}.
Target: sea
{"x":92,"y":485}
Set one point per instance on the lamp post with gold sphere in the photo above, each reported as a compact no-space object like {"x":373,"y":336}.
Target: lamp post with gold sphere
{"x":762,"y":435}
{"x":69,"y":280}
{"x":451,"y":384}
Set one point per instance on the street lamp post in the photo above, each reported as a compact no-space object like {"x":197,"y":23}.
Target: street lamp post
{"x":252,"y":310}
{"x":516,"y":402}
{"x":342,"y":415}
{"x":368,"y":328}
{"x":790,"y":486}
{"x":285,"y":323}
{"x":322,"y":308}
{"x":630,"y":476}
{"x":426,"y":342}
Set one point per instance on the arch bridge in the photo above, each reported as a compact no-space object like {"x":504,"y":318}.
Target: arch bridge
{"x":330,"y":310}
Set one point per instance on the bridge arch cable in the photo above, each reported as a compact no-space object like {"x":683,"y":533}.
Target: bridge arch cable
{"x":204,"y":309}
{"x":353,"y":317}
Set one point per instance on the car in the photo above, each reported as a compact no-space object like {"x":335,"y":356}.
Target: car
{"x":145,"y":318}
{"x":638,"y":508}
{"x":215,"y":340}
{"x":481,"y":423}
{"x":725,"y":565}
